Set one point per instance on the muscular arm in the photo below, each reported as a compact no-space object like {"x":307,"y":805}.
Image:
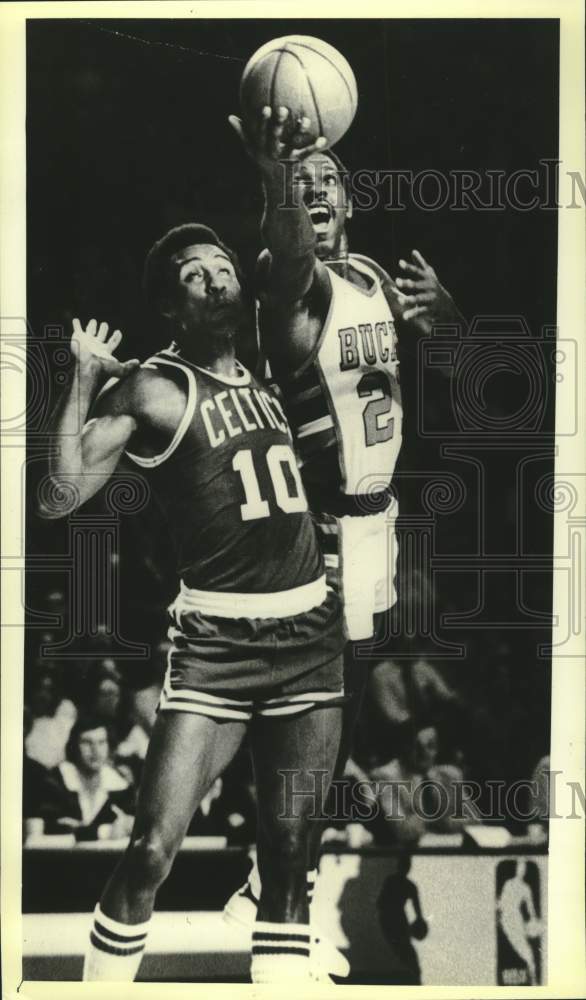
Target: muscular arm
{"x":292,"y":284}
{"x":83,"y":457}
{"x":294,"y":289}
{"x":289,"y":236}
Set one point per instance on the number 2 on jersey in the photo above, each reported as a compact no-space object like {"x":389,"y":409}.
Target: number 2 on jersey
{"x":378,"y":423}
{"x":277,"y":456}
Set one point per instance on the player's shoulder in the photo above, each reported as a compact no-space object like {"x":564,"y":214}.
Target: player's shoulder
{"x":383,"y":276}
{"x":387,"y":284}
{"x":143,"y":393}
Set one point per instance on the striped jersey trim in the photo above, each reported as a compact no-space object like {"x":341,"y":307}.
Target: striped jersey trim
{"x":200,"y":703}
{"x":315,"y":426}
{"x":304,"y":696}
{"x":243,"y":378}
{"x":177,"y":704}
{"x":180,"y":702}
{"x":295,"y":708}
{"x":187,"y":699}
{"x":305,"y":395}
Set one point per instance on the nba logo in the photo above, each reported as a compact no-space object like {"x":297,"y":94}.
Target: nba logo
{"x":519,"y":927}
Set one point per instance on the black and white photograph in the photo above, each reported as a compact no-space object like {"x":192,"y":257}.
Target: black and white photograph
{"x":293,"y":544}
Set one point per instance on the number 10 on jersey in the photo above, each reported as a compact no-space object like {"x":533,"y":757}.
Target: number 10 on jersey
{"x":278,"y":457}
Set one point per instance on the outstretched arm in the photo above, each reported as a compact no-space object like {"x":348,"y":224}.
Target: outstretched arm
{"x":84,"y":456}
{"x":276,"y":147}
{"x":291,"y":281}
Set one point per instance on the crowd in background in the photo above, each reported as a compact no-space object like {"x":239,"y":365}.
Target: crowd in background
{"x":433,"y":736}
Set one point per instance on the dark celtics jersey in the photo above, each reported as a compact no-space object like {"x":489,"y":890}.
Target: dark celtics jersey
{"x":345,"y":401}
{"x":229,"y":485}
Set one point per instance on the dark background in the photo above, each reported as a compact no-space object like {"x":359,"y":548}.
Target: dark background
{"x":127,"y":136}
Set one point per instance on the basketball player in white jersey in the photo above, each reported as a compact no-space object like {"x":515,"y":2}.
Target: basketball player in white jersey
{"x":327,"y":321}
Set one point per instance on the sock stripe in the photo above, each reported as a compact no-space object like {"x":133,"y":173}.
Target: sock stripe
{"x":116,"y":926}
{"x":124,"y":938}
{"x":111,"y":949}
{"x":282,"y":936}
{"x":265,"y":949}
{"x":272,"y":927}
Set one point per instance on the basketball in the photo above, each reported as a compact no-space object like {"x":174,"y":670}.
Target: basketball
{"x":307,"y":76}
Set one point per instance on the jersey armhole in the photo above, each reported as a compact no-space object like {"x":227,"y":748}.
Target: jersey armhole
{"x":154,"y":460}
{"x":370,"y":268}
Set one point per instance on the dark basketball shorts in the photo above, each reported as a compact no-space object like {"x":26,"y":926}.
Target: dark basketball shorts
{"x":235,"y":665}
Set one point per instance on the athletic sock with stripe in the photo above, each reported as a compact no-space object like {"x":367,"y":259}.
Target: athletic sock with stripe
{"x":115,"y":949}
{"x":279,"y":952}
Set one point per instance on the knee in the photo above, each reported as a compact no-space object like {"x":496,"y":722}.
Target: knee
{"x":149,"y":859}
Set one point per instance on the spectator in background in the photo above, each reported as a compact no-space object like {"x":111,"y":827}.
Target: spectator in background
{"x":416,"y":793}
{"x":85,"y":793}
{"x":144,"y":689}
{"x":400,"y":695}
{"x":107,"y":699}
{"x":34,"y":779}
{"x":394,"y":785}
{"x":52,"y":717}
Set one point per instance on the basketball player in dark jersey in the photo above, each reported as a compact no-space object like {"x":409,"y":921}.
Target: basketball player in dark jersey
{"x":256,"y":634}
{"x":327,"y":323}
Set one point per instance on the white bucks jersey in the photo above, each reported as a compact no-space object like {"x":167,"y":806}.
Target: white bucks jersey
{"x":345,"y":401}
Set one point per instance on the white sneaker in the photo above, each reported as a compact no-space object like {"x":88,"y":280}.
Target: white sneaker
{"x":326,"y":959}
{"x":240,"y":910}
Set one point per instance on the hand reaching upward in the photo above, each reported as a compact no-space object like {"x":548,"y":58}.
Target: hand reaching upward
{"x":94,"y":350}
{"x":273,"y":137}
{"x":424,"y":295}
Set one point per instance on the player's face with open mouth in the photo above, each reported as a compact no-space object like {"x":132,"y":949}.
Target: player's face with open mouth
{"x":208,"y":292}
{"x":325,"y":199}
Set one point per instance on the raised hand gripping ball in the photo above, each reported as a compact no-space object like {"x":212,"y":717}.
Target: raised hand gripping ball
{"x":307,"y":76}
